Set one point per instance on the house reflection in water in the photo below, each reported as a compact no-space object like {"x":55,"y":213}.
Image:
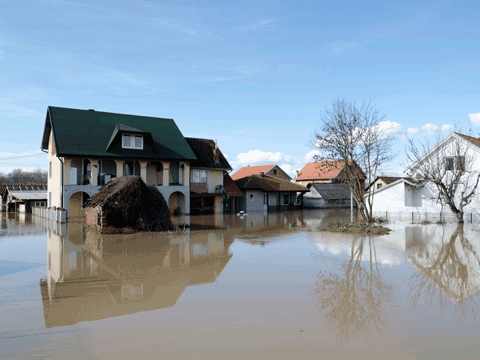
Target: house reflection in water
{"x":446,"y":259}
{"x":92,"y":276}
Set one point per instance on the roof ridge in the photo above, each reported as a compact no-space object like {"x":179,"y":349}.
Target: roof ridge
{"x":110,"y":112}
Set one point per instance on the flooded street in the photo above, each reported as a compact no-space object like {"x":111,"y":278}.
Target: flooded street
{"x":258,"y":286}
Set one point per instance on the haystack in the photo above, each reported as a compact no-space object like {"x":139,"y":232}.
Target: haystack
{"x":127,"y":202}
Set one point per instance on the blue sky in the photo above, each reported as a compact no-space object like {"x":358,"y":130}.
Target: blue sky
{"x":252,"y":75}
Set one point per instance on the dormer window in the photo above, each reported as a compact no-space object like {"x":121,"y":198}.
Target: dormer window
{"x":132,"y":142}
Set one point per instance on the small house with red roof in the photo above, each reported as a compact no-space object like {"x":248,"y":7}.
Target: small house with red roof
{"x":269,"y":170}
{"x":325,"y":172}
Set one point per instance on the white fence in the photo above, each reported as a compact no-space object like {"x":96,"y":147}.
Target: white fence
{"x":55,"y":214}
{"x":425,"y":216}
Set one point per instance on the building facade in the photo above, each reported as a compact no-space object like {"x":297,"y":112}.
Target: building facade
{"x":87,"y":148}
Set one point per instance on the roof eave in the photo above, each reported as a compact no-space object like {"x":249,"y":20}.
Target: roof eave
{"x":46,"y":130}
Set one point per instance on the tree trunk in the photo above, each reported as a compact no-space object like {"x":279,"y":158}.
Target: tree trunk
{"x":459,"y":215}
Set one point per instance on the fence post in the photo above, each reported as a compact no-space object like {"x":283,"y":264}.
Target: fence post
{"x":471,"y":218}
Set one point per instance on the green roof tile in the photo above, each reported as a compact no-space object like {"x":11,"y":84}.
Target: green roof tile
{"x":89,"y":133}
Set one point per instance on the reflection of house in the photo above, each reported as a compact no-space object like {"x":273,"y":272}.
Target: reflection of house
{"x":87,"y":148}
{"x":92,"y":277}
{"x":446,"y":260}
{"x":21,"y":198}
{"x":269,"y":170}
{"x":323,"y":195}
{"x":326,"y":172}
{"x":266,"y":193}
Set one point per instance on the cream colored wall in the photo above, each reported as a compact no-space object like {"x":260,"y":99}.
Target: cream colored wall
{"x":218,"y":204}
{"x":216,"y":178}
{"x":54,"y":181}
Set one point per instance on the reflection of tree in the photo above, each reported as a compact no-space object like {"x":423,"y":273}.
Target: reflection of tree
{"x":452,"y":267}
{"x":355,"y":301}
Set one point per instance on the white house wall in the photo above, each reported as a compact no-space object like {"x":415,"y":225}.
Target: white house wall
{"x":401,"y":197}
{"x":272,"y":199}
{"x":255,"y":204}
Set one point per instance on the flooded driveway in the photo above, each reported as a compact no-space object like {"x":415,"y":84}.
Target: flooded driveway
{"x":257,"y":287}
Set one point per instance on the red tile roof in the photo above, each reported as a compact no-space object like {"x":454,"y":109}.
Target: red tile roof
{"x":251,"y":170}
{"x":315,"y":170}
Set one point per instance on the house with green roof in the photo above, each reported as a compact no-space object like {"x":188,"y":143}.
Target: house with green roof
{"x":87,"y":148}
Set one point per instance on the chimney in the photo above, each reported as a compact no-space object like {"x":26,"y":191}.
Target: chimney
{"x":297,"y":173}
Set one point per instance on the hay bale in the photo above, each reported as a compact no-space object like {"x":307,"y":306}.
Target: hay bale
{"x":127,"y":202}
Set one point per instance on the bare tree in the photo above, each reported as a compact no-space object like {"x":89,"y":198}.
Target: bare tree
{"x":352,"y":136}
{"x":451,"y":166}
{"x":20,"y":177}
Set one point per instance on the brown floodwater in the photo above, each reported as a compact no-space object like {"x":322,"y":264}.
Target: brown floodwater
{"x":230,"y":287}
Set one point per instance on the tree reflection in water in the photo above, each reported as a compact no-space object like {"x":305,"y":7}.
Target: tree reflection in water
{"x":451,"y":266}
{"x":355,"y":300}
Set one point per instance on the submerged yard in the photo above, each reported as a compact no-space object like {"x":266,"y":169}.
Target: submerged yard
{"x":233,"y":287}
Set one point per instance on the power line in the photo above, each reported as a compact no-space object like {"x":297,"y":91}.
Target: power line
{"x":23,"y":156}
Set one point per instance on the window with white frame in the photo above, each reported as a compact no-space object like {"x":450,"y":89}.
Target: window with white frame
{"x":132,"y":142}
{"x":199,"y":176}
{"x":50,"y":169}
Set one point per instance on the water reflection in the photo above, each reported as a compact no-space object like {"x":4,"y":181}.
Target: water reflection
{"x":355,"y":299}
{"x":91,"y":276}
{"x":448,"y":270}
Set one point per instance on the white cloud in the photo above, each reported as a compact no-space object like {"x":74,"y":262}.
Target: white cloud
{"x":475,"y":118}
{"x":391,"y":128}
{"x":446,"y":127}
{"x":430,"y":128}
{"x":288,"y":163}
{"x":310,"y":155}
{"x":259,"y":156}
{"x":412,"y":131}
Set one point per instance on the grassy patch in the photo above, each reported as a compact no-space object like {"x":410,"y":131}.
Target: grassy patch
{"x":425,"y":222}
{"x":355,"y":228}
{"x":440,"y":222}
